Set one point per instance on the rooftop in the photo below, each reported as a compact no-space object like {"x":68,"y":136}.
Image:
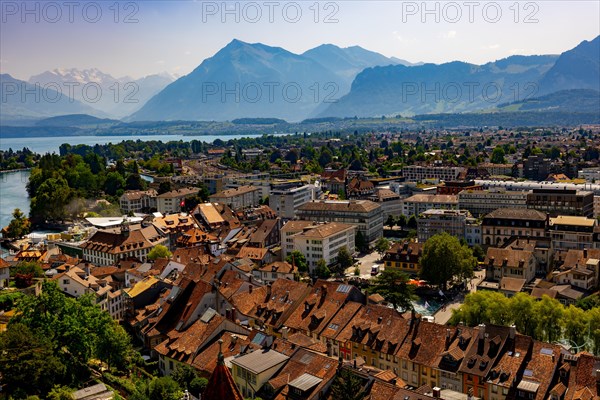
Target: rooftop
{"x":260,"y":360}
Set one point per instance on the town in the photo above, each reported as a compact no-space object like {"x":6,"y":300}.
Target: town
{"x":457,"y":264}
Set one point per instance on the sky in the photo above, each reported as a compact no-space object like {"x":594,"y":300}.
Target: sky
{"x":141,"y":38}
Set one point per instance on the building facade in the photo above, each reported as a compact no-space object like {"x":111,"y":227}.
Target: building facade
{"x":499,"y":226}
{"x":482,"y":202}
{"x":238,"y":198}
{"x":366,"y":215}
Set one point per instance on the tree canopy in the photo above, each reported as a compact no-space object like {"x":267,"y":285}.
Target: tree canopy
{"x":159,"y":251}
{"x":393,"y":285}
{"x":445,"y":260}
{"x":65,"y":333}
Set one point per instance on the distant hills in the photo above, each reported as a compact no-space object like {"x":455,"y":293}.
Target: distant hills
{"x":24,"y":101}
{"x":76,"y":120}
{"x":574,"y":101}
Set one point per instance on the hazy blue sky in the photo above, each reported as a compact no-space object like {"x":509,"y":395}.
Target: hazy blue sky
{"x":175,"y":36}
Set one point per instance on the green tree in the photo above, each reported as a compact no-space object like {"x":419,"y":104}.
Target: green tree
{"x":402,"y":221}
{"x":114,"y":184}
{"x":197,"y":386}
{"x":412,"y":222}
{"x":382,"y":245}
{"x":391,"y":221}
{"x":478,"y":252}
{"x":61,"y":393}
{"x":114,"y":347}
{"x":50,"y":200}
{"x":159,"y":251}
{"x":345,"y":260}
{"x":19,"y":226}
{"x":184,"y":375}
{"x":361,"y":242}
{"x":164,"y":187}
{"x":321,"y":270}
{"x":575,"y":322}
{"x":393,"y":285}
{"x":75,"y":327}
{"x":550,"y":319}
{"x":347,"y":386}
{"x":444,"y":260}
{"x":164,"y":388}
{"x":298,"y":260}
{"x":522,"y":308}
{"x":27,"y":361}
{"x":28,"y":267}
{"x":204,"y":193}
{"x":498,"y":155}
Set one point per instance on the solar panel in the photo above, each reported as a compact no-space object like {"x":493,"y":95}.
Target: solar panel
{"x":344,"y":288}
{"x":528,"y":372}
{"x":334,"y":326}
{"x":546,"y":351}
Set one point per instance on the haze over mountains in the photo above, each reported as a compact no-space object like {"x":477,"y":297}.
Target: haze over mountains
{"x":117,"y":97}
{"x":246,"y":80}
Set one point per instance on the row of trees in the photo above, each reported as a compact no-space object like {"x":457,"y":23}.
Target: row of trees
{"x":52,"y":338}
{"x":546,"y":319}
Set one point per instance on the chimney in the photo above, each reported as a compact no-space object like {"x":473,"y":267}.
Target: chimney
{"x":379,"y":319}
{"x":437,"y":392}
{"x":233,"y":314}
{"x":250,"y":289}
{"x":585,"y":252}
{"x":512,"y":331}
{"x":481,"y":330}
{"x":178,"y":258}
{"x":234,"y":339}
{"x":284,"y":333}
{"x":448,"y":335}
{"x":268,"y":291}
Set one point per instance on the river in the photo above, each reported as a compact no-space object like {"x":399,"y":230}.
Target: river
{"x":13,"y":193}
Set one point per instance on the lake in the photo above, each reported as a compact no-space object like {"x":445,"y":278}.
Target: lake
{"x":13,"y":193}
{"x":51,"y":144}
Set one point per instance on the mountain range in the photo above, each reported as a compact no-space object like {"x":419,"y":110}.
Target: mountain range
{"x":117,"y":97}
{"x":253,"y":80}
{"x":366,"y":84}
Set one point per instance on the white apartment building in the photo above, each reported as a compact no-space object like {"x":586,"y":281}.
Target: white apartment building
{"x":108,"y":246}
{"x":285,"y":202}
{"x":238,"y":198}
{"x":76,"y":282}
{"x":172,"y":202}
{"x":419,"y":203}
{"x":366,"y":215}
{"x":322,"y":241}
{"x":482,"y":202}
{"x":137,"y":201}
